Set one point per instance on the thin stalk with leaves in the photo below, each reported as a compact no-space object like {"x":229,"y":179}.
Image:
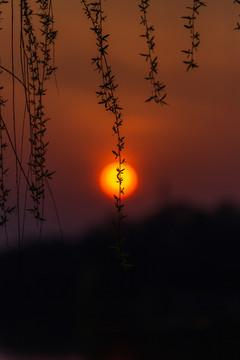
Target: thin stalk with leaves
{"x":158,"y":88}
{"x":37,"y":37}
{"x":190,"y":60}
{"x":108,"y":97}
{"x":5,"y":209}
{"x":37,"y":67}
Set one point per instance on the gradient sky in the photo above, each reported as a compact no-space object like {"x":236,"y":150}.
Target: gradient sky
{"x":188,"y":151}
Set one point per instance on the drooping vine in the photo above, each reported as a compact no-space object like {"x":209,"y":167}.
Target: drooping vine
{"x":158,"y":88}
{"x":190,"y":60}
{"x":37,"y":67}
{"x":108,"y":97}
{"x":37,"y":37}
{"x":5,"y":209}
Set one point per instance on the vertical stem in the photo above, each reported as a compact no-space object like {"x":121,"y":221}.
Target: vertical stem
{"x":119,"y":171}
{"x":108,"y":98}
{"x":14,"y":122}
{"x":158,"y":88}
{"x":2,"y":176}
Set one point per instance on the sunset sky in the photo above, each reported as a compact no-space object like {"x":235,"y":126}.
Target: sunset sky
{"x":188,"y":151}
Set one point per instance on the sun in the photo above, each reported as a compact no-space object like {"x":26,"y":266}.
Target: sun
{"x":108,"y":180}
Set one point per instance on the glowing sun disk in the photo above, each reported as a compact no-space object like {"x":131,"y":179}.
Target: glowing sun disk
{"x":109,"y":184}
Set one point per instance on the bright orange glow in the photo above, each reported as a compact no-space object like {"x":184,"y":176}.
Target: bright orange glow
{"x":109,"y":184}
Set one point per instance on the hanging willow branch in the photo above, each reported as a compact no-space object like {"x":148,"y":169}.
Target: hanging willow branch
{"x":107,"y":95}
{"x":37,"y":67}
{"x":238,"y":24}
{"x":194,"y":35}
{"x":37,"y":36}
{"x":158,"y":88}
{"x":5,"y":209}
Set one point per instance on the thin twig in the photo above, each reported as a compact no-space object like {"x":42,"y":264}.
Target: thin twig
{"x":107,"y":94}
{"x":13,"y":75}
{"x":194,"y":35}
{"x":158,"y":88}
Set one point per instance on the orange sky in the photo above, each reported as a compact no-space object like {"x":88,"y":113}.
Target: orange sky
{"x":188,"y":151}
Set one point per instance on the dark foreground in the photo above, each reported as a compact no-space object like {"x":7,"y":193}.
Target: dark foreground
{"x":181,"y":300}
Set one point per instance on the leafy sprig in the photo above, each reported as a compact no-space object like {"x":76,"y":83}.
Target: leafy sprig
{"x":190,"y":61}
{"x":158,"y":88}
{"x":108,"y":98}
{"x":5,"y":209}
{"x":37,"y":67}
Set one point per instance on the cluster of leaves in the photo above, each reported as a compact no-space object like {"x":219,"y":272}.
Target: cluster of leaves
{"x":194,"y":35}
{"x":238,"y":24}
{"x":107,"y":95}
{"x":158,"y":88}
{"x":6,"y":210}
{"x":37,"y":66}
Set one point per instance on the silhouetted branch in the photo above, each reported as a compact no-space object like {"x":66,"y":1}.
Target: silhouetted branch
{"x":158,"y":88}
{"x":107,"y":94}
{"x":194,"y":35}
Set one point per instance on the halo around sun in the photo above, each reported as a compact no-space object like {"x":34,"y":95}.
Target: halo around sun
{"x":108,"y":180}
